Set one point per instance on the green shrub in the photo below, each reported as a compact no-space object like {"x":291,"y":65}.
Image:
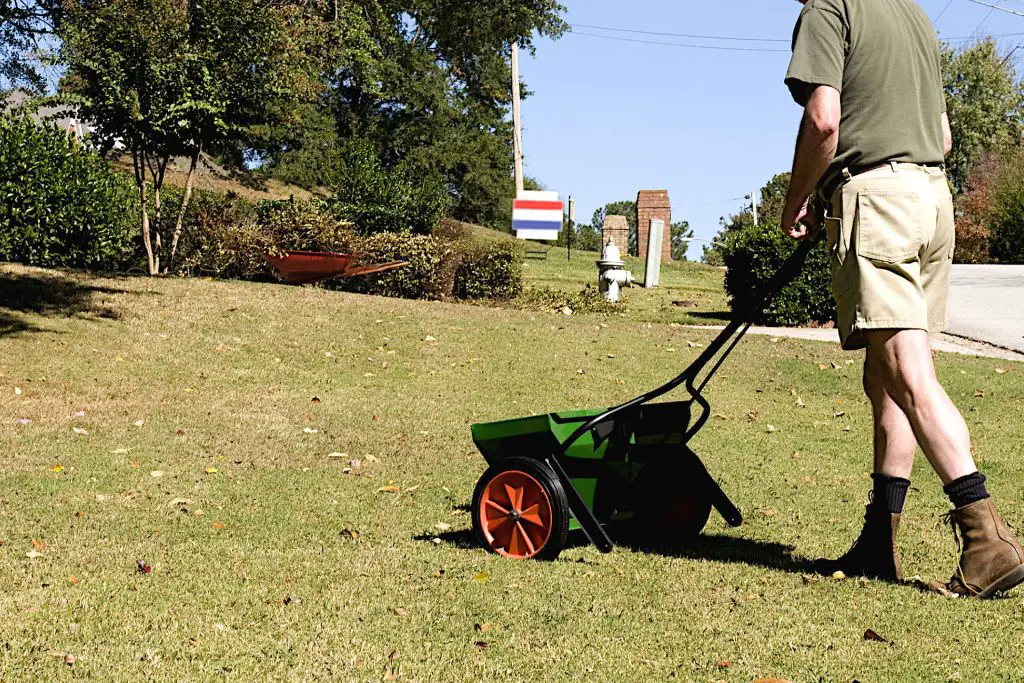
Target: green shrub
{"x":588,"y":300}
{"x":227,"y":236}
{"x":60,"y":204}
{"x":752,"y":255}
{"x":378,"y":199}
{"x":1006,"y":218}
{"x":489,"y":271}
{"x":430,"y":274}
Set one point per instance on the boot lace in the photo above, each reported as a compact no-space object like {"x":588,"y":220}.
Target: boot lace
{"x":948,"y":518}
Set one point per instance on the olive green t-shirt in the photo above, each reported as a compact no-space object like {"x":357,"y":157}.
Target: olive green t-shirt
{"x":883,"y":57}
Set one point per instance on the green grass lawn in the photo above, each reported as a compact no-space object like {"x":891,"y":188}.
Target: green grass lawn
{"x":689,"y":293}
{"x":270,"y":561}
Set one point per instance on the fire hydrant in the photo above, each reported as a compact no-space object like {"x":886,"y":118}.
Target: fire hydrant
{"x":612,"y":277}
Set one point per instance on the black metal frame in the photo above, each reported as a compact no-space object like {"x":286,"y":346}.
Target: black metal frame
{"x":716,"y":352}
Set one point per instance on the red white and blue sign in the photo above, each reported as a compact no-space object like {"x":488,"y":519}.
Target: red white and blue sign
{"x":537,"y":215}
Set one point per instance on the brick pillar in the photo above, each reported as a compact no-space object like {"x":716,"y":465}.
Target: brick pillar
{"x":616,"y":228}
{"x":654,"y":204}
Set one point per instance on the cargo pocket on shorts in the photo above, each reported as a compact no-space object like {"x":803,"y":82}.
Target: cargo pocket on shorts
{"x":838,"y":246}
{"x":890,"y":228}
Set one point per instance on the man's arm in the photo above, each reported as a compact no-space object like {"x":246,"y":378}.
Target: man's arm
{"x":947,"y":136}
{"x":815,"y":151}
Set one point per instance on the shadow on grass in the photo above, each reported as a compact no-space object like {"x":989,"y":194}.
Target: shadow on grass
{"x":714,"y":548}
{"x":713,"y":316}
{"x":729,"y":549}
{"x":49,"y":296}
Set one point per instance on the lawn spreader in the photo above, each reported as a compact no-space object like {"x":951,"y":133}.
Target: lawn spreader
{"x":629,"y":467}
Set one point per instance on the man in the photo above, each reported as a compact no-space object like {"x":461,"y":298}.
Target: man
{"x":871,"y":146}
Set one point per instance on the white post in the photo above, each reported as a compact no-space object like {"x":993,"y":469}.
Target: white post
{"x":652,"y":276}
{"x":753,"y":200}
{"x":517,"y":133}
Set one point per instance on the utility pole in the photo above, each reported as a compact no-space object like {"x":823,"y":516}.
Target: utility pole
{"x":753,"y":201}
{"x":517,"y":135}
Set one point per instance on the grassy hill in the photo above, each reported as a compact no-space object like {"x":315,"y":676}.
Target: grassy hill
{"x":293,"y":466}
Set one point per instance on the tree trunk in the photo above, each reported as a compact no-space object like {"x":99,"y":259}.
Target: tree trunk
{"x":139,"y":164}
{"x":184,"y":207}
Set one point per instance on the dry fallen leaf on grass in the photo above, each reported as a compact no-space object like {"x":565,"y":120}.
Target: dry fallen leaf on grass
{"x":156,"y":474}
{"x":70,"y":659}
{"x":800,"y":403}
{"x":211,"y":470}
{"x":350,"y":534}
{"x":139,"y":423}
{"x":724,"y":664}
{"x":389,"y":489}
{"x":23,"y":421}
{"x":33,"y":554}
{"x":874,"y":637}
{"x":17,"y":391}
{"x":80,"y":431}
{"x":217,"y":526}
{"x":443,"y":526}
{"x":73,"y":580}
{"x":839,"y":576}
{"x":38,"y":544}
{"x":310,"y":430}
{"x":482,"y":628}
{"x":771,"y":428}
{"x":1001,"y":371}
{"x":57,"y":468}
{"x":980,"y":393}
{"x":773,"y":680}
{"x":482,"y":577}
{"x":400,"y":611}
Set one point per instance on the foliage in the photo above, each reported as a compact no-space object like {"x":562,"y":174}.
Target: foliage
{"x":430,"y":96}
{"x":587,"y":300}
{"x":681,"y":234}
{"x":155,"y":77}
{"x":379,"y":199}
{"x":986,"y":106}
{"x":60,"y":205}
{"x":1007,"y":212}
{"x":492,"y":270}
{"x":752,"y":254}
{"x":23,"y":25}
{"x":430,"y":273}
{"x":227,"y":237}
{"x":974,"y":209}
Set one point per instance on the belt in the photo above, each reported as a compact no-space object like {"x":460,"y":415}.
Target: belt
{"x":829,"y":187}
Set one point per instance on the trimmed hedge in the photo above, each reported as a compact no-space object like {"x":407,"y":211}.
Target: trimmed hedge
{"x":430,"y":274}
{"x":60,"y":204}
{"x":490,"y":271}
{"x":752,"y":256}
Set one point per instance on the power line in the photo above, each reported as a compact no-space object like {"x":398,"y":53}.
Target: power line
{"x":996,"y":7}
{"x":685,"y":45}
{"x":943,"y":12}
{"x":680,"y":35}
{"x":749,"y":39}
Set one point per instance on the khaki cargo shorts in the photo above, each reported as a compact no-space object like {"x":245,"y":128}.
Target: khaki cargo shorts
{"x":892,"y":237}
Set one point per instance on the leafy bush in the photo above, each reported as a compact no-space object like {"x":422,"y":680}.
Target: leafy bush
{"x":588,"y":300}
{"x":378,"y":199}
{"x":489,"y":271}
{"x":752,"y":256}
{"x":227,"y":236}
{"x":430,"y":274}
{"x":60,"y":204}
{"x":1006,"y":218}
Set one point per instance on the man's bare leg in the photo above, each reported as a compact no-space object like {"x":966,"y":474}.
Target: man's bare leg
{"x":992,"y":560}
{"x":903,"y":361}
{"x":895,"y":444}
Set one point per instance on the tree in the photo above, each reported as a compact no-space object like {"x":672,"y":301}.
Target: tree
{"x":23,"y":26}
{"x":168,"y":78}
{"x":434,"y":96}
{"x":986,"y":106}
{"x":681,"y":236}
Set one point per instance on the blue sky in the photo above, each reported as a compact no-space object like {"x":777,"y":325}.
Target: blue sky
{"x":609,"y":118}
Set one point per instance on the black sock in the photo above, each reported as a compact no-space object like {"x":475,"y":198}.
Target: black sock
{"x":966,"y":490}
{"x":890,"y":492}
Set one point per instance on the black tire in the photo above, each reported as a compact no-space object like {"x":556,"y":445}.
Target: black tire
{"x":537,"y":470}
{"x":672,"y":506}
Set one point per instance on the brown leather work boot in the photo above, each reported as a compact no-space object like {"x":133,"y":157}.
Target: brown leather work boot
{"x":874,"y":554}
{"x":992,"y":561}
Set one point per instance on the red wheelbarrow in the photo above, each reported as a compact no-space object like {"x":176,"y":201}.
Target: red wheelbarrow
{"x":306,"y":267}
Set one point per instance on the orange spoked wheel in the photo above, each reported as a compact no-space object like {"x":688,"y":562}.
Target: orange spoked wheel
{"x":520,"y":510}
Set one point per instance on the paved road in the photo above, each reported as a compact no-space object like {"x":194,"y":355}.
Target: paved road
{"x":986,"y":303}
